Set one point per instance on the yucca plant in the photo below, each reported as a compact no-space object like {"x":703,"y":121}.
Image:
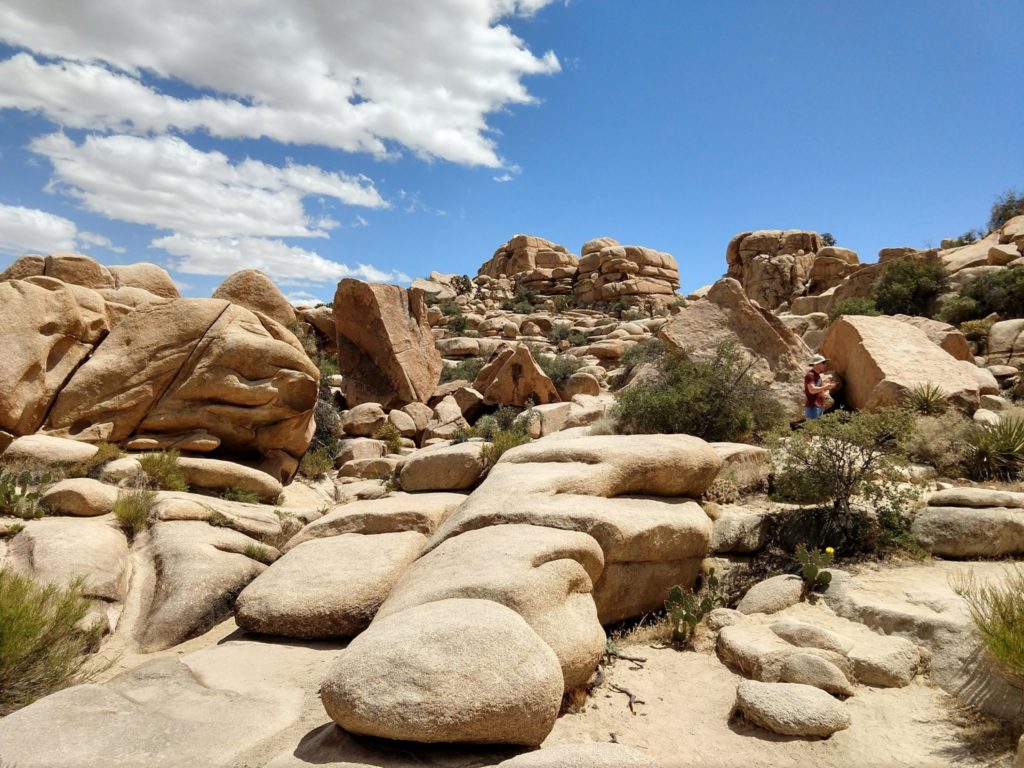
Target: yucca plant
{"x":998,"y":612}
{"x":997,"y":452}
{"x":927,"y":399}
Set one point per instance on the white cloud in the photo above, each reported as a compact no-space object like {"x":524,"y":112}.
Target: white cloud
{"x":89,"y":239}
{"x":360,"y":222}
{"x":28,"y":229}
{"x":302,"y":299}
{"x":504,"y":178}
{"x":167,"y":183}
{"x":286,"y":264}
{"x":361,"y":75}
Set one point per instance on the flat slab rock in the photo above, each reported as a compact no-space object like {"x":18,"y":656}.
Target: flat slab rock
{"x":791,"y":709}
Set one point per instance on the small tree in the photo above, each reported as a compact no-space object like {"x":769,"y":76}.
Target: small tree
{"x":907,"y":287}
{"x":1006,"y":206}
{"x":827,"y":239}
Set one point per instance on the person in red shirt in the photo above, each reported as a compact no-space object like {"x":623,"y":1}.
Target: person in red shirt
{"x":815,"y":387}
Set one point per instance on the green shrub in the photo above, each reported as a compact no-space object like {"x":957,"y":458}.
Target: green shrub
{"x":998,"y":613}
{"x":648,"y":351}
{"x":560,"y":332}
{"x":389,"y":434}
{"x":289,"y":527}
{"x":1006,"y":206}
{"x":562,"y":304}
{"x":858,"y":306}
{"x":132,"y":510}
{"x":327,"y":365}
{"x":714,"y":398}
{"x":234,"y":493}
{"x":42,"y":648}
{"x":940,"y":441}
{"x":328,"y":421}
{"x":686,"y":608}
{"x":927,"y":399}
{"x":163,"y":472}
{"x":462,"y":285}
{"x":457,"y":324}
{"x":842,"y":454}
{"x":558,"y":367}
{"x":907,"y":287}
{"x":464,"y":370}
{"x":105,"y":453}
{"x":20,"y":492}
{"x":259,"y":553}
{"x":958,"y":309}
{"x":316,"y":463}
{"x":827,"y":239}
{"x":449,"y":307}
{"x":977,"y":331}
{"x":505,"y":438}
{"x":812,"y":565}
{"x":997,"y":452}
{"x":463,"y":435}
{"x":486,"y":426}
{"x":1001,"y":291}
{"x":967,"y":238}
{"x":578,"y":339}
{"x":505,"y":417}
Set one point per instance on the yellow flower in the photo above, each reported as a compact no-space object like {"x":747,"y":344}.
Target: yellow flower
{"x":830,"y":551}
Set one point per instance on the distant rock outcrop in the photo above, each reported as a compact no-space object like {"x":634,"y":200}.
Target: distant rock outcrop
{"x":628,"y":274}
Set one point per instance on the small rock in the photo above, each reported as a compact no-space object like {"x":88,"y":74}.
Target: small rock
{"x":809,"y":669}
{"x":772,"y":595}
{"x":791,"y":709}
{"x":80,"y":497}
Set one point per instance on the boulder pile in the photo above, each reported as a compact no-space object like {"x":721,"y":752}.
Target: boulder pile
{"x":627,"y":274}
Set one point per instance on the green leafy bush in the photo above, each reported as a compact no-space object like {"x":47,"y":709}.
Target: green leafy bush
{"x":457,"y":325}
{"x":20,"y":492}
{"x":328,"y":422}
{"x":997,"y":452}
{"x":859,"y":306}
{"x":486,"y":426}
{"x":505,"y":417}
{"x":967,"y":238}
{"x":907,"y":287}
{"x":927,"y":399}
{"x":1001,"y":291}
{"x":389,"y":434}
{"x":1006,"y":206}
{"x":842,"y":454}
{"x":463,"y":435}
{"x":686,"y":609}
{"x":558,"y":367}
{"x":259,"y":553}
{"x":163,"y":472}
{"x":578,"y":339}
{"x":958,"y":309}
{"x":714,"y":398}
{"x":998,"y":613}
{"x":464,"y":370}
{"x":316,"y":463}
{"x":462,"y":285}
{"x":827,"y":239}
{"x":940,"y":441}
{"x":648,"y":351}
{"x":449,"y":307}
{"x":501,"y":441}
{"x":132,"y":510}
{"x":234,"y":493}
{"x":42,"y":647}
{"x":812,"y":565}
{"x":105,"y":453}
{"x":560,"y":332}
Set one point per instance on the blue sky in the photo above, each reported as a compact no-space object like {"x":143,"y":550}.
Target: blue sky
{"x":405,"y":137}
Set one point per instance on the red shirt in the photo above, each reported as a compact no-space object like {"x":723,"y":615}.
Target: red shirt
{"x":813,"y":399}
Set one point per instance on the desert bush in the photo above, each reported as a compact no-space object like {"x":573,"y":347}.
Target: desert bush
{"x":162,"y":471}
{"x":316,"y":463}
{"x":840,"y":455}
{"x":723,"y":490}
{"x":105,"y":453}
{"x":562,"y":304}
{"x":462,"y":285}
{"x":503,"y":440}
{"x":560,"y":332}
{"x":1001,"y":291}
{"x":328,"y":422}
{"x":940,"y":441}
{"x":968,"y":237}
{"x":997,"y":610}
{"x":449,"y":307}
{"x":485,"y":426}
{"x":714,"y":398}
{"x":42,"y":647}
{"x":464,"y":370}
{"x":1005,"y":207}
{"x":997,"y":452}
{"x":289,"y":527}
{"x":605,"y":425}
{"x":463,"y":435}
{"x":958,"y":309}
{"x":259,"y":553}
{"x":132,"y":510}
{"x":389,"y":434}
{"x":505,"y":417}
{"x":908,"y":287}
{"x":20,"y":492}
{"x":687,"y":608}
{"x":827,"y":239}
{"x":857,"y":306}
{"x":234,"y":493}
{"x":926,"y":399}
{"x":578,"y":339}
{"x":977,"y":331}
{"x":648,"y":351}
{"x":457,"y":324}
{"x":558,"y":368}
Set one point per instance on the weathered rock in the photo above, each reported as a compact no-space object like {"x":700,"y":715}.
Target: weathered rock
{"x":629,"y":274}
{"x":363,"y":420}
{"x":772,"y":595}
{"x":885,"y":662}
{"x":327,"y":588}
{"x":253,"y":290}
{"x":443,"y":468}
{"x":217,"y":475}
{"x":445,"y":420}
{"x":48,"y":451}
{"x":1006,"y":343}
{"x":505,"y":689}
{"x":882,"y":359}
{"x":545,"y":575}
{"x":943,"y":334}
{"x":773,"y":266}
{"x":580,"y":383}
{"x":778,"y":356}
{"x":791,"y":709}
{"x":24,"y":267}
{"x":805,"y":635}
{"x":148,"y":277}
{"x":80,"y":496}
{"x":191,"y":575}
{"x":422,"y":512}
{"x":258,"y":521}
{"x":962,"y":531}
{"x":512,"y":376}
{"x":76,"y":269}
{"x":385,"y":347}
{"x":808,"y":669}
{"x":195,"y":365}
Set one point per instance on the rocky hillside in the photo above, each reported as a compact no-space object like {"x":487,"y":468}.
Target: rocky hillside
{"x":519,"y":519}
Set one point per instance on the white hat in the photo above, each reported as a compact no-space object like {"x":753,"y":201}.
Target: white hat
{"x":817,"y":359}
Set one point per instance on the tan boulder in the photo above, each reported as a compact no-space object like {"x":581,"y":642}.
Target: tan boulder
{"x":943,"y":334}
{"x":78,"y":269}
{"x":47,"y":451}
{"x":512,"y":376}
{"x":256,"y":520}
{"x":545,"y":575}
{"x":363,"y":420}
{"x":1006,"y":343}
{"x":524,"y":253}
{"x":24,"y":267}
{"x":218,"y":475}
{"x":386,"y":349}
{"x":194,"y":365}
{"x":80,"y":497}
{"x":773,"y":266}
{"x":327,"y":588}
{"x":443,"y":468}
{"x":881,"y":359}
{"x":396,"y":679}
{"x":253,"y":290}
{"x":791,"y":709}
{"x":45,"y":335}
{"x":778,"y":356}
{"x":148,"y":277}
{"x":445,"y":421}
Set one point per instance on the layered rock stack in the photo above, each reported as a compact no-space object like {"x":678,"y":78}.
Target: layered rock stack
{"x":539,"y":265}
{"x":627,"y":274}
{"x":775,"y":265}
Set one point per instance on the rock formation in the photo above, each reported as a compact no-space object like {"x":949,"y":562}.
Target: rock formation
{"x":628,"y":274}
{"x":253,"y":290}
